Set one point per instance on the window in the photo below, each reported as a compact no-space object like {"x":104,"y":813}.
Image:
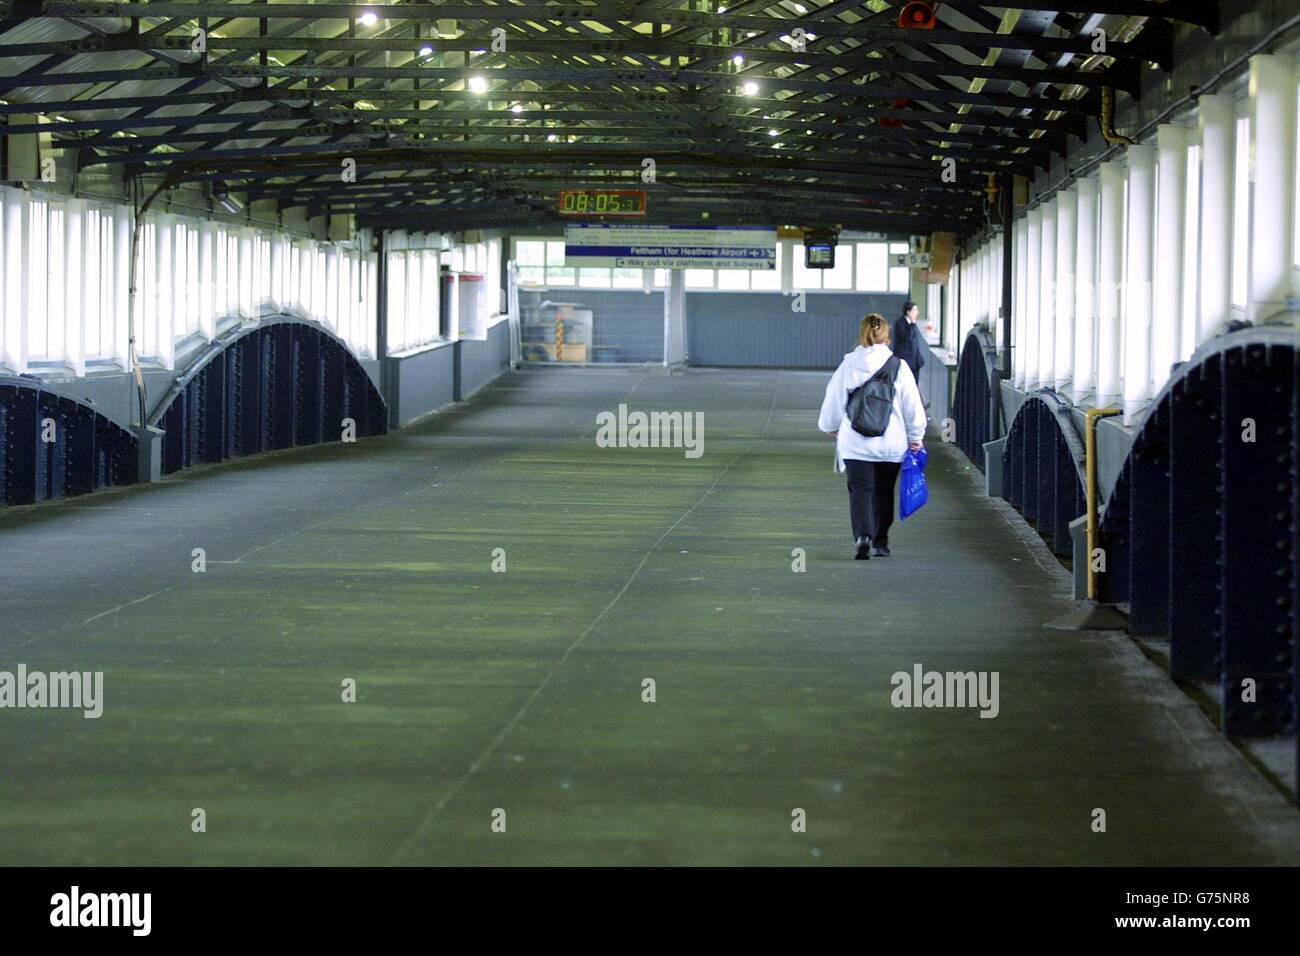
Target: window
{"x":768,"y":280}
{"x":493,"y":276}
{"x":699,"y":278}
{"x":627,"y":279}
{"x":593,"y":278}
{"x":1241,"y":215}
{"x":530,"y":256}
{"x":1295,"y":211}
{"x":733,"y":279}
{"x":805,"y":278}
{"x":1191,"y":251}
{"x":840,"y":277}
{"x":900,"y":279}
{"x":556,"y":273}
{"x":38,"y":270}
{"x":872,"y":267}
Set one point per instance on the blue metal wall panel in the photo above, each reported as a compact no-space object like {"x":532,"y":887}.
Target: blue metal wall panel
{"x":758,"y":329}
{"x":726,"y":328}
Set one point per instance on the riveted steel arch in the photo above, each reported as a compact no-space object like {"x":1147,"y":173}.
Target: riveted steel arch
{"x":280,"y":383}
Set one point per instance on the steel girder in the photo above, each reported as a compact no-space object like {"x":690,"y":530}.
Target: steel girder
{"x":862,"y":88}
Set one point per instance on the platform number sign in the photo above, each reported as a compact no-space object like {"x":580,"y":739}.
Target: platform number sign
{"x":912,"y":260}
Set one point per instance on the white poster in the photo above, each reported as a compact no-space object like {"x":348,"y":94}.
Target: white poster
{"x":636,"y":246}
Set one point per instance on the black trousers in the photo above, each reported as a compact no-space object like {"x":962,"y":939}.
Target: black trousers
{"x":871,"y":497}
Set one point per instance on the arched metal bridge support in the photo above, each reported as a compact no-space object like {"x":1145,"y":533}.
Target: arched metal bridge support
{"x":1042,"y":468}
{"x":979,"y":395}
{"x":1200,"y":533}
{"x":52,"y":446}
{"x":281,"y":383}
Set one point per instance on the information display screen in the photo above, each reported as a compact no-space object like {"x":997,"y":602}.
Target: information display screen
{"x":602,"y":202}
{"x":819,"y":255}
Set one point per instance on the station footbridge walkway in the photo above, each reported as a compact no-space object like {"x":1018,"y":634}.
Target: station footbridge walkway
{"x":500,"y":588}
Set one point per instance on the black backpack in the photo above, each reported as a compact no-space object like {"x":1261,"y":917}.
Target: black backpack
{"x":872,"y":402}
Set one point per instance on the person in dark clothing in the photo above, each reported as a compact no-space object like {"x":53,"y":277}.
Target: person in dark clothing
{"x":908,"y":343}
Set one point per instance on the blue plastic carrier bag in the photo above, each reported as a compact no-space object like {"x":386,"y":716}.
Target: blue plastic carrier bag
{"x":912,"y":491}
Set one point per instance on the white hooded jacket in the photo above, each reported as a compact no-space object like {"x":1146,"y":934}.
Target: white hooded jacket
{"x":906,"y":421}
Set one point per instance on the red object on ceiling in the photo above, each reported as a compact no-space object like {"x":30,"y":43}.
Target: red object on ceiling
{"x":917,"y":16}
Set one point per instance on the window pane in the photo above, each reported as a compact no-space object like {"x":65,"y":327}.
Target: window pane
{"x":1295,"y":212}
{"x":899,"y":280}
{"x":733,"y":279}
{"x":699,"y":278}
{"x":805,"y":278}
{"x":530,"y":252}
{"x":768,"y":280}
{"x":873,"y":267}
{"x":841,"y":277}
{"x":593,"y":278}
{"x":627,"y":278}
{"x":1241,"y":214}
{"x":1191,"y":248}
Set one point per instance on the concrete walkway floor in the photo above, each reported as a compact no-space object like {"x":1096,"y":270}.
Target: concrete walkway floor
{"x":522,"y":691}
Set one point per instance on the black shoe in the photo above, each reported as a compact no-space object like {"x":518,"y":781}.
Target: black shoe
{"x":863,"y":552}
{"x":882,"y":551}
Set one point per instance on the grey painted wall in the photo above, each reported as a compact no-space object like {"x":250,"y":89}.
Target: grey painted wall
{"x":422,"y":383}
{"x":438,"y":376}
{"x":478,"y":363}
{"x":936,"y":384}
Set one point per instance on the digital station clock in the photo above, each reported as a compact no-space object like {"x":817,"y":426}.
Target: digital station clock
{"x":602,"y":202}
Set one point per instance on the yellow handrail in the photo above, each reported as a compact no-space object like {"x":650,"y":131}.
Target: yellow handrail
{"x":1090,"y":466}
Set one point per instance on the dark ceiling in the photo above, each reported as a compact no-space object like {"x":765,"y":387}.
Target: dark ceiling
{"x":475,"y":115}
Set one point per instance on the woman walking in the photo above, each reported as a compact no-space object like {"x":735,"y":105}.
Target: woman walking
{"x":872,"y":463}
